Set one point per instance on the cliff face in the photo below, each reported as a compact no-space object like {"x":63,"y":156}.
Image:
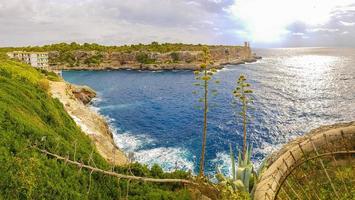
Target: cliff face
{"x":94,"y":125}
{"x":146,"y":60}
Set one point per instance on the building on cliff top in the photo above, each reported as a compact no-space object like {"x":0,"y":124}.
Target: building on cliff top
{"x":35,"y":59}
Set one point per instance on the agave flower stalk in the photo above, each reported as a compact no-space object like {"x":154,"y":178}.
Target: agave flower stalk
{"x":242,"y":93}
{"x":204,"y":76}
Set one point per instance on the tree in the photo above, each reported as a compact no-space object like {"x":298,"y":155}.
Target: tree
{"x":144,"y":58}
{"x":174,"y":56}
{"x":204,"y":76}
{"x":242,"y":93}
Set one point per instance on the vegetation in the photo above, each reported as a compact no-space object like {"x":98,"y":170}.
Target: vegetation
{"x":153,"y":47}
{"x":29,"y":117}
{"x":204,"y":77}
{"x":174,"y":56}
{"x":242,"y":94}
{"x":75,"y":54}
{"x":309,"y":180}
{"x":242,"y":175}
{"x":143,"y":58}
{"x":94,"y":60}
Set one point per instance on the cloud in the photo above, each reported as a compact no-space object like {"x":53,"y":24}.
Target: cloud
{"x":31,"y":22}
{"x":298,"y":34}
{"x":265,"y":23}
{"x":347,"y":23}
{"x":323,"y":30}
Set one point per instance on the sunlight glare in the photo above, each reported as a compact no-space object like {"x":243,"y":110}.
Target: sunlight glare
{"x":267,"y":21}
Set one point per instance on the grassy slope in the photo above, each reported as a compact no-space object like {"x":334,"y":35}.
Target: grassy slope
{"x":28,"y":115}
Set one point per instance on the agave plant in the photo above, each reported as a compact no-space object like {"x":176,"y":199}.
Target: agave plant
{"x":242,"y":175}
{"x":245,"y":168}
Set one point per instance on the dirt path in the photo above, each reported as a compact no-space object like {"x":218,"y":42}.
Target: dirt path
{"x":279,"y":163}
{"x":90,"y":122}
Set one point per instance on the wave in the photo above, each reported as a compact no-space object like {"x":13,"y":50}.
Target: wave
{"x":119,"y":106}
{"x":169,"y":158}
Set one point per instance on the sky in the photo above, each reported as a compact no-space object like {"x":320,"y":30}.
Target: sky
{"x":264,"y":23}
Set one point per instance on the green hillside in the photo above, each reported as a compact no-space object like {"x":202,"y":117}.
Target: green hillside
{"x":152,"y":47}
{"x":28,"y":117}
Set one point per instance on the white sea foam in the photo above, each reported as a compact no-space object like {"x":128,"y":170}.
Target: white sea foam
{"x":98,"y":98}
{"x":223,"y":162}
{"x":128,"y":142}
{"x":120,"y":106}
{"x":167,"y":157}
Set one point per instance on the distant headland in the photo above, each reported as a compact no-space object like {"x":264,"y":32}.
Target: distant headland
{"x":154,"y":56}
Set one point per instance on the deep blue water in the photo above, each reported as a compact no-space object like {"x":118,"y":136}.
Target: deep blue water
{"x":154,"y":114}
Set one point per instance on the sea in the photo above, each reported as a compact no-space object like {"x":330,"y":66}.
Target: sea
{"x":157,"y":115}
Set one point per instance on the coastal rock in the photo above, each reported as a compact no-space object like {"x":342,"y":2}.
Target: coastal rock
{"x":83,"y":93}
{"x":153,"y":61}
{"x":91,"y":123}
{"x":250,"y":60}
{"x":233,"y":62}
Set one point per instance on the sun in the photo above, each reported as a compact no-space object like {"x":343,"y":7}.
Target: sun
{"x":268,"y":21}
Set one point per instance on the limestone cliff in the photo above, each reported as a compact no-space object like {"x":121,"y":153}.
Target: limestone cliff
{"x":150,"y":60}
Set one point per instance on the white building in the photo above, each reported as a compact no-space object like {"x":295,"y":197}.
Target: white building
{"x":35,"y":59}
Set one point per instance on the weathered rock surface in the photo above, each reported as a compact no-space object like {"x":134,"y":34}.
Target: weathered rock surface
{"x":90,"y":122}
{"x":83,"y":93}
{"x":177,"y":60}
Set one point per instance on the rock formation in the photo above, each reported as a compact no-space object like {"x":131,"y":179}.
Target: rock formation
{"x":149,"y":60}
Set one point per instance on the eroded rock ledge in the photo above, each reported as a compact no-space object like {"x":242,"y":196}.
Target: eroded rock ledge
{"x":83,"y":93}
{"x":92,"y":124}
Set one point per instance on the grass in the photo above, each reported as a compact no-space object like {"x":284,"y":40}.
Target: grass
{"x":310,"y":179}
{"x":29,"y":116}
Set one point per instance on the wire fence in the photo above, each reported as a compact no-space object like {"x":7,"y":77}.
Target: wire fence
{"x":318,"y":167}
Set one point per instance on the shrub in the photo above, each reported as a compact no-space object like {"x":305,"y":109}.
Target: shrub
{"x":143,"y":58}
{"x":94,"y":59}
{"x":174,"y":56}
{"x":44,"y":84}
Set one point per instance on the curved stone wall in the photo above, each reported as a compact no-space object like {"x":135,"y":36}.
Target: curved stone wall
{"x":324,"y":140}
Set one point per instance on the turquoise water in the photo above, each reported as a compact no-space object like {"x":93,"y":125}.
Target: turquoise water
{"x":154,"y":114}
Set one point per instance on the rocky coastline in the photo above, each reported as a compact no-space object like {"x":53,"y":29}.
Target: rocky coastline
{"x":156,"y":67}
{"x":75,"y":100}
{"x":150,"y":60}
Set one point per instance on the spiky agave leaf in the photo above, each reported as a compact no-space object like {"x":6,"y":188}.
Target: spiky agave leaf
{"x":239,"y":185}
{"x":249,"y":150}
{"x":219,"y":175}
{"x":240,"y":159}
{"x":247,"y":176}
{"x":245,"y":168}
